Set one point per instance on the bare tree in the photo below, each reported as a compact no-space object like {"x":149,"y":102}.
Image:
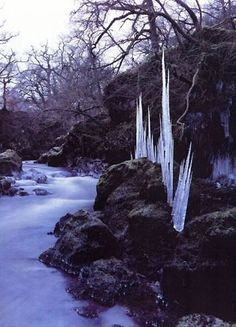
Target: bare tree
{"x":7,"y":64}
{"x":119,"y":27}
{"x":220,"y":13}
{"x":66,"y":81}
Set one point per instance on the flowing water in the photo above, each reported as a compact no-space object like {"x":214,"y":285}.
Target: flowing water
{"x":32,"y":294}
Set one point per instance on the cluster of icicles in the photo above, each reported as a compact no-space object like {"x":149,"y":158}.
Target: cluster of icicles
{"x":163,"y":153}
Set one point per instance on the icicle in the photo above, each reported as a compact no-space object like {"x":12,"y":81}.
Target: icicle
{"x":224,"y":167}
{"x":139,"y":129}
{"x":144,"y":138}
{"x":163,"y":153}
{"x":180,"y":202}
{"x":166,"y":142}
{"x":150,"y":143}
{"x":144,"y":143}
{"x":224,"y":118}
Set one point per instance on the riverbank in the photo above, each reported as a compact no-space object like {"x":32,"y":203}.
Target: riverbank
{"x":31,"y":293}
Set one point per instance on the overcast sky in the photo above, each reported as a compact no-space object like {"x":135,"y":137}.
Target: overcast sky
{"x":36,"y":21}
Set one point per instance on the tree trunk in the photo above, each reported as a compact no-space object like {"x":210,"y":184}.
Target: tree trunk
{"x":154,"y":37}
{"x":4,"y":94}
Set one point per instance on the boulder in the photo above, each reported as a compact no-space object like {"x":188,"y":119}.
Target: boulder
{"x":54,"y":157}
{"x":10,"y":163}
{"x":6,"y":187}
{"x":115,"y":175}
{"x":83,"y":238}
{"x":150,"y":226}
{"x":201,"y":276}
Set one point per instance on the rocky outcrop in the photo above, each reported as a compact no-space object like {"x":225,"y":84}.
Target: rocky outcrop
{"x":133,"y":239}
{"x":10,"y":163}
{"x":202,"y":273}
{"x":56,"y":157}
{"x":92,"y":140}
{"x":83,"y":238}
{"x":30,"y":133}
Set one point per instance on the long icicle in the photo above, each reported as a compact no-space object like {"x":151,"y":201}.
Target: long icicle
{"x":166,"y":142}
{"x":180,"y":203}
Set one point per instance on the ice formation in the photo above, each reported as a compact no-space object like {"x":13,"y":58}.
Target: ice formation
{"x":166,"y":141}
{"x":144,"y":138}
{"x":224,"y":119}
{"x":224,"y":167}
{"x":180,"y":202}
{"x":163,"y":153}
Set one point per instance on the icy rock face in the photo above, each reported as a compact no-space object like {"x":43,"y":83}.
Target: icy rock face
{"x":224,"y":169}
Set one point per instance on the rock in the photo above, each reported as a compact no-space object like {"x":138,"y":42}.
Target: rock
{"x":10,"y":163}
{"x":35,"y":175}
{"x":70,"y":221}
{"x":54,"y":157}
{"x":90,"y":167}
{"x":22,"y":193}
{"x":83,"y":238}
{"x":87,"y":312}
{"x":150,"y":228}
{"x":6,"y":187}
{"x":110,"y":281}
{"x":206,"y":197}
{"x":60,"y":140}
{"x":201,"y":276}
{"x":40,"y":191}
{"x":95,"y":139}
{"x":85,"y":139}
{"x":115,"y":175}
{"x":196,"y":268}
{"x":197,"y":320}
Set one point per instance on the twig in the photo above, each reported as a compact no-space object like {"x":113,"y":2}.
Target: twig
{"x":179,"y":120}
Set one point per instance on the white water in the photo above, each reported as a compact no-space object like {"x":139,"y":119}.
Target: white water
{"x":31,"y":294}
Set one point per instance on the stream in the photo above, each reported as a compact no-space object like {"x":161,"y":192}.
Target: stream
{"x":32,"y":294}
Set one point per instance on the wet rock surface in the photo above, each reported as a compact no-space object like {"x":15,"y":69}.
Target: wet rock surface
{"x":83,"y":238}
{"x":10,"y":163}
{"x":6,"y":186}
{"x":196,"y":320}
{"x":204,"y":264}
{"x":127,"y":251}
{"x":40,"y":191}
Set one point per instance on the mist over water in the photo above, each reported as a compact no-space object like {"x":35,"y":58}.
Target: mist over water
{"x":32,"y":294}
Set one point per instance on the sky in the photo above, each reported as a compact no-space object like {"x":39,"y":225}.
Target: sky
{"x":36,"y":21}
